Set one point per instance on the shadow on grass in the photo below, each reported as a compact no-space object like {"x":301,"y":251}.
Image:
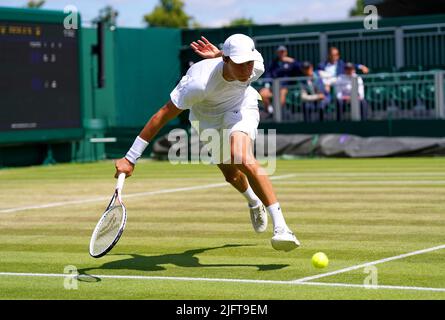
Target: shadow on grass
{"x":184,"y":259}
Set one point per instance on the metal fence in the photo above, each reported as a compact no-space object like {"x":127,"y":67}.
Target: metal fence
{"x":303,"y":46}
{"x":389,"y":48}
{"x":405,"y":95}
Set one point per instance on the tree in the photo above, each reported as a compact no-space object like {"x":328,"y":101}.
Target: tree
{"x":194,"y":24}
{"x":358,"y":10}
{"x":168,"y":13}
{"x":241,"y":22}
{"x":108,"y":15}
{"x":35,"y":4}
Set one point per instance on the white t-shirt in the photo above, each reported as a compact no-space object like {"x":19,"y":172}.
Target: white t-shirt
{"x":343,"y":87}
{"x":331,"y":69}
{"x":204,"y":90}
{"x":329,"y":74}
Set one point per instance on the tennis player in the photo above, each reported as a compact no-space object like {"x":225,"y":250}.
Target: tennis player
{"x":218,"y":94}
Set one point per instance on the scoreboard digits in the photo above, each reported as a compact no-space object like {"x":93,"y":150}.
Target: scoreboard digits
{"x":39,"y":76}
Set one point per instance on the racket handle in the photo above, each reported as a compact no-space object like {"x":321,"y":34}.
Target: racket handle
{"x":120,"y":181}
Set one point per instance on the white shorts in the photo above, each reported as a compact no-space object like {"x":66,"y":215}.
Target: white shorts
{"x":245,"y":119}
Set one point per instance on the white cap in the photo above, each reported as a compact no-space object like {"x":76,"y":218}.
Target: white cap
{"x":241,"y":48}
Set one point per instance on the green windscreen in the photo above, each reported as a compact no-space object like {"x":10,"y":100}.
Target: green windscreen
{"x":147,"y":68}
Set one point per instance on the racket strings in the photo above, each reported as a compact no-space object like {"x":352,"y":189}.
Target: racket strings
{"x":108,"y":229}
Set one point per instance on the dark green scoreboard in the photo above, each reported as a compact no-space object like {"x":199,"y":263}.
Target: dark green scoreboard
{"x":40,"y":90}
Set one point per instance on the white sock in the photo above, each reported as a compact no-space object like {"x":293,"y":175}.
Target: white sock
{"x":251,"y":197}
{"x":276,"y":215}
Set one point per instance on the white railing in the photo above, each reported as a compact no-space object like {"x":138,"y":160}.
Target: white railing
{"x":397,"y":47}
{"x":405,"y":95}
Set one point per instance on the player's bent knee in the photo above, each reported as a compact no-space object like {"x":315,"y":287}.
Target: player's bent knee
{"x":243,"y":159}
{"x":232,"y":178}
{"x":248,"y":165}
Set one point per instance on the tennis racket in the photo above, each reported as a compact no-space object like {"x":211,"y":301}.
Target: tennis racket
{"x":111,"y":225}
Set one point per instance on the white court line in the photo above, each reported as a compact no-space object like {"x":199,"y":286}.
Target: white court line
{"x":131,"y":195}
{"x":372,"y":263}
{"x":364,"y":182}
{"x":371,"y":174}
{"x":320,"y":284}
{"x":348,"y":285}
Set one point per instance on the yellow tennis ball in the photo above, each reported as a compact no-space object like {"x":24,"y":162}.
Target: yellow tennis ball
{"x":320,"y":260}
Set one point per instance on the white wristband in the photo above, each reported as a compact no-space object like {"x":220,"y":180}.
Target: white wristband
{"x":136,"y":150}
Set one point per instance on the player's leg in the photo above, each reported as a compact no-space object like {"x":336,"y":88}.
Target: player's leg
{"x":245,"y":162}
{"x":239,"y":181}
{"x":243,"y":158}
{"x":242,"y":125}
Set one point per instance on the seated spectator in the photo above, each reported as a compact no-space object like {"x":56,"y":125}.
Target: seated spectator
{"x":314,"y":93}
{"x":334,"y":66}
{"x":281,"y":66}
{"x":343,"y":89}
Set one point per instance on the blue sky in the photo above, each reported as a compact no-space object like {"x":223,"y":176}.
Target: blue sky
{"x":212,"y":13}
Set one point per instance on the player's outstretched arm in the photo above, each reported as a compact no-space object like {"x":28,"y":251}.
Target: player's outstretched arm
{"x":126,"y":165}
{"x":205,"y":49}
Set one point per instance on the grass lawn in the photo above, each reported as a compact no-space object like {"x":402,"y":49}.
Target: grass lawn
{"x":354,"y":210}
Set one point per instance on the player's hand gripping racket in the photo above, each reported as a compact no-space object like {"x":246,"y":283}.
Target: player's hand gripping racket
{"x":111,"y":225}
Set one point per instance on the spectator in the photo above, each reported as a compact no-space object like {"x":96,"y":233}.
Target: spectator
{"x":314,"y":93}
{"x":281,"y":66}
{"x":334,"y":66}
{"x":343,"y":89}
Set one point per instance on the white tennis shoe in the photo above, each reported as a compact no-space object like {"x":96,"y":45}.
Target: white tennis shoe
{"x":258,"y":216}
{"x":284,"y":240}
